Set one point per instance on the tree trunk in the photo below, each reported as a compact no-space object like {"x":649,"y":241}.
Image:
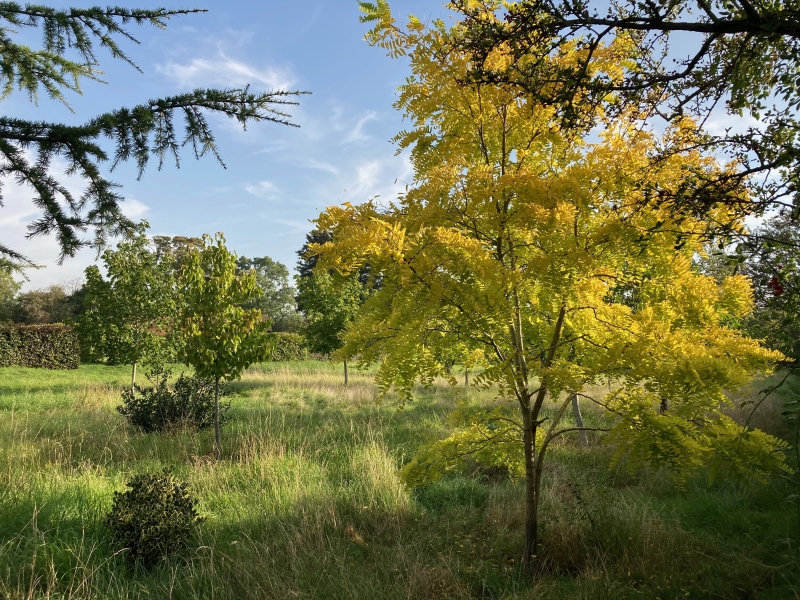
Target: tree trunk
{"x":534,"y":460}
{"x":345,"y":373}
{"x":216,"y":417}
{"x":576,"y":411}
{"x":466,"y":377}
{"x":531,"y":497}
{"x":133,"y":376}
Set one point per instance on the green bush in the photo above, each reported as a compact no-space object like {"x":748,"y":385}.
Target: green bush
{"x":53,"y":346}
{"x":154,"y":519}
{"x":190,"y":403}
{"x":289,"y":346}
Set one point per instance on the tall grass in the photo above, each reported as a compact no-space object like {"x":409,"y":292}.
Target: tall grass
{"x":306,"y":503}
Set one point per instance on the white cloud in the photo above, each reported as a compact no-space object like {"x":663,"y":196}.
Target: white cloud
{"x":385,"y":177}
{"x":290,"y":227}
{"x":262,"y":189}
{"x":223,"y":70}
{"x":718,"y":123}
{"x":17,"y":212}
{"x":367,"y":175}
{"x":357,"y":134}
{"x":322,"y":166}
{"x":16,"y":215}
{"x":273,"y":146}
{"x":133,"y":208}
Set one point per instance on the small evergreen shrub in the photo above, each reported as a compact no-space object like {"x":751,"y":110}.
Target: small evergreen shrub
{"x":289,"y":346}
{"x":154,"y":519}
{"x":189,"y":403}
{"x":52,"y":346}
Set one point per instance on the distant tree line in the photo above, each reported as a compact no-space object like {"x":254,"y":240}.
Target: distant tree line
{"x":320,"y":304}
{"x":57,"y":303}
{"x":64,"y":302}
{"x":125,"y":307}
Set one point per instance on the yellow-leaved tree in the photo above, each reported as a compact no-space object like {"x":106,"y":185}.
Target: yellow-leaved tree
{"x":541,"y":249}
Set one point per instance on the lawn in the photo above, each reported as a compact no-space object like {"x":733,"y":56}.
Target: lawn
{"x":306,"y":503}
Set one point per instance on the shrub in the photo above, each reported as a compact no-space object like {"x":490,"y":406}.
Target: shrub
{"x":155,"y":518}
{"x":190,"y":403}
{"x":289,"y":346}
{"x":43,"y":346}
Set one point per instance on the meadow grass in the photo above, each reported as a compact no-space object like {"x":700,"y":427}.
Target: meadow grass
{"x":306,"y":502}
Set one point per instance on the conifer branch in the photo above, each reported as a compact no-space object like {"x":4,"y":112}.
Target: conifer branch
{"x":137,"y":133}
{"x":28,"y":148}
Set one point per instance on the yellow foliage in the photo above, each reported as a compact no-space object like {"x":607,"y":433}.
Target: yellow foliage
{"x":553,"y":257}
{"x":488,"y":437}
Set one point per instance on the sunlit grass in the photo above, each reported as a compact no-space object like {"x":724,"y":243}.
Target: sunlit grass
{"x":306,"y":503}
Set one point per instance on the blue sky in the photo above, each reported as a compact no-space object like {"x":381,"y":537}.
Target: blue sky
{"x":277,"y":177}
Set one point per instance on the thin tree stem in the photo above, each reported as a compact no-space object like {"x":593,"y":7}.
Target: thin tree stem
{"x":576,"y":412}
{"x":216,"y":418}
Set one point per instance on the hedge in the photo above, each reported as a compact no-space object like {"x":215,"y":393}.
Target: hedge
{"x":289,"y":346}
{"x":43,"y":346}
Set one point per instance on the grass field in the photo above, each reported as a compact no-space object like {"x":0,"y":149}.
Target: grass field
{"x":306,"y":503}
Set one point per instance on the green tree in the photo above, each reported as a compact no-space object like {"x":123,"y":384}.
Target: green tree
{"x":277,"y":301}
{"x":220,"y":338}
{"x":327,"y":300}
{"x":771,"y":259}
{"x":774,"y":268}
{"x":329,"y":303}
{"x":543,"y":249}
{"x":128,"y":317}
{"x":8,"y":291}
{"x":27,"y":148}
{"x":45,"y":305}
{"x":176,"y":249}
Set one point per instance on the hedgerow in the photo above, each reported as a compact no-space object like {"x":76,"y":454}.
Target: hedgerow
{"x":53,"y":346}
{"x":289,"y":346}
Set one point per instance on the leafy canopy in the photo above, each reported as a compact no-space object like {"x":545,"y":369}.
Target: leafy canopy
{"x":774,"y":268}
{"x":686,"y":58}
{"x":8,"y":290}
{"x":277,"y":301}
{"x":544,"y":250}
{"x":220,"y":338}
{"x":129,"y":316}
{"x":329,"y":303}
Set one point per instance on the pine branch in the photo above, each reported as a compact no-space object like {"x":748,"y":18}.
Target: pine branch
{"x":137,"y":133}
{"x":12,"y":261}
{"x":77,"y":29}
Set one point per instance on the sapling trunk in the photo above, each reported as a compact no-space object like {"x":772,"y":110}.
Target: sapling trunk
{"x":531,"y":499}
{"x":345,"y":373}
{"x":466,"y":377}
{"x":576,"y":412}
{"x":531,"y":408}
{"x":133,"y":376}
{"x":216,"y":417}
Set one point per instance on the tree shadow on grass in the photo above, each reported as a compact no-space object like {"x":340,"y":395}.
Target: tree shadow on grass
{"x":326,"y":548}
